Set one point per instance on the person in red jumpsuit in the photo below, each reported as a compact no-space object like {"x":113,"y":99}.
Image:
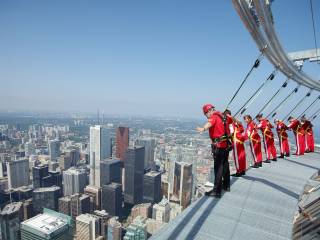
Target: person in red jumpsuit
{"x":218,"y":126}
{"x":295,"y":126}
{"x":268,"y":139}
{"x":283,"y":138}
{"x":255,"y":141}
{"x":239,"y":152}
{"x":309,"y":138}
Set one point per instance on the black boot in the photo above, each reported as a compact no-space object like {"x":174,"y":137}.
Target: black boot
{"x":281,"y":156}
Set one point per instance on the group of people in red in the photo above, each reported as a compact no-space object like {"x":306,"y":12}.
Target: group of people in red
{"x":228,"y":133}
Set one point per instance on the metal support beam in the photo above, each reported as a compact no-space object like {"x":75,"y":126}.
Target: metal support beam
{"x":309,"y":55}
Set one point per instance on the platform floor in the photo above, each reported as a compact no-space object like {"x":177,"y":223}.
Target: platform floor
{"x":261,"y":205}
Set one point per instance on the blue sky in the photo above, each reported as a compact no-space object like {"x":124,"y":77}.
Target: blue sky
{"x":138,"y":57}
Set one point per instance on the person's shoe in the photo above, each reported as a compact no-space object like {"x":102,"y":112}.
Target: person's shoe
{"x":275,"y":159}
{"x":267,"y":161}
{"x":288,"y":155}
{"x":243,"y":173}
{"x":236,"y":175}
{"x":260,"y":164}
{"x":208,"y":193}
{"x":215,"y":194}
{"x":281,"y":156}
{"x":227,"y":189}
{"x":256,"y":165}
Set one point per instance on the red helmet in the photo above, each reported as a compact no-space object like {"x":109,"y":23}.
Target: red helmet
{"x":206,"y":108}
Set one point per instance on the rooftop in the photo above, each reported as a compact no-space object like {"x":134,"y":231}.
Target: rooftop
{"x":261,"y":205}
{"x":45,"y":223}
{"x":11,"y":208}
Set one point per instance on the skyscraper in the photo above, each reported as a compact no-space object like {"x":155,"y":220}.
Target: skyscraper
{"x":74,"y":205}
{"x":87,"y":227}
{"x":45,"y":198}
{"x":18,"y":173}
{"x":54,"y":149}
{"x":112,"y":199}
{"x":149,"y":146}
{"x":74,"y":181}
{"x":161,"y":211}
{"x":110,"y":171}
{"x":182,"y":183}
{"x":10,"y":219}
{"x":134,"y":171}
{"x":122,"y":142}
{"x":95,"y":197}
{"x":137,"y":230}
{"x":152,"y":187}
{"x":100,"y":148}
{"x":39,"y":172}
{"x":114,"y":229}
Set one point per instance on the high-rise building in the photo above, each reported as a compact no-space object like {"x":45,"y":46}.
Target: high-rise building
{"x":29,"y":149}
{"x":143,"y":210}
{"x":100,"y":148}
{"x":87,"y":227}
{"x":18,"y":173}
{"x":38,"y":173}
{"x":161,"y":211}
{"x":110,"y":171}
{"x":103,"y":217}
{"x":114,"y":229}
{"x":182,"y":183}
{"x":74,"y":155}
{"x":122,"y":142}
{"x":74,"y":205}
{"x":45,"y":198}
{"x":54,"y":149}
{"x":47,"y":226}
{"x":134,"y":171}
{"x":112,"y":199}
{"x":137,"y":230}
{"x":64,"y":161}
{"x":10,"y":219}
{"x":152,"y":187}
{"x":149,"y":146}
{"x":27,"y":209}
{"x":95,"y":197}
{"x":74,"y":181}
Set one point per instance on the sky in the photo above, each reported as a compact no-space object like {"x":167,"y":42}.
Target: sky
{"x":152,"y":58}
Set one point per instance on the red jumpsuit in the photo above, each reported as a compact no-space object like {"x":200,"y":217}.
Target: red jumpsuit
{"x":268,"y":138}
{"x":309,"y":138}
{"x":239,"y":152}
{"x":283,"y":139}
{"x":299,"y":136}
{"x":255,"y":142}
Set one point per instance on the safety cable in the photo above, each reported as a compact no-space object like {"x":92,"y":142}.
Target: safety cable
{"x":255,"y":65}
{"x":318,"y":98}
{"x":274,"y":111}
{"x":284,"y":85}
{"x":298,"y":104}
{"x":313,"y":116}
{"x":256,"y":93}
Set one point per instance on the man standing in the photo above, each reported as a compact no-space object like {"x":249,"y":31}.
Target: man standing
{"x":309,"y":138}
{"x":268,"y":138}
{"x":218,"y":126}
{"x":255,"y":141}
{"x":283,"y":138}
{"x":299,"y":135}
